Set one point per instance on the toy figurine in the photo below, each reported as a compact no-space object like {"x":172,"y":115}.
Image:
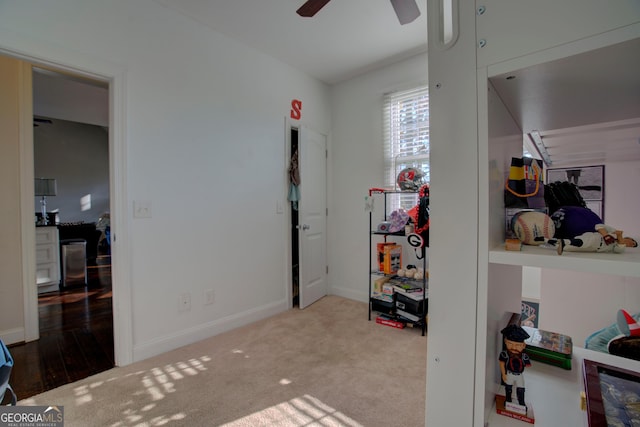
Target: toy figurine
{"x":604,"y":239}
{"x":578,"y":229}
{"x":513,"y":360}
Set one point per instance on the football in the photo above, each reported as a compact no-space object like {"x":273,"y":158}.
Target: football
{"x":533,"y":227}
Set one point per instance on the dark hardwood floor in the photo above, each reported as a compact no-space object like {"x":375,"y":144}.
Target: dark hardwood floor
{"x":76,"y":337}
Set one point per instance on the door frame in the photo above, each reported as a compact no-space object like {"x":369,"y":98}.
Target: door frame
{"x":290,"y":124}
{"x":54,"y":57}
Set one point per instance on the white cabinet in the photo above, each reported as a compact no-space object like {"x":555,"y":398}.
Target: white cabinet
{"x":47,"y":259}
{"x":477,"y":125}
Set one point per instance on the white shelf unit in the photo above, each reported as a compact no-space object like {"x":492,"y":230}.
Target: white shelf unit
{"x":532,"y":41}
{"x":399,"y":238}
{"x":47,"y":259}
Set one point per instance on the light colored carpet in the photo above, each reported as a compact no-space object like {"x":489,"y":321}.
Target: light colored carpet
{"x":326,"y":365}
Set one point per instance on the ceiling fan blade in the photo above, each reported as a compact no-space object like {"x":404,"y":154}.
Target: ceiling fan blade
{"x":407,"y":10}
{"x":311,"y":7}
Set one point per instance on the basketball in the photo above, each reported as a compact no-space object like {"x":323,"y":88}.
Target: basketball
{"x":533,"y":227}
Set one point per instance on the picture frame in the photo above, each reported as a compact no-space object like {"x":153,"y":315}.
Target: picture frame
{"x":530,"y":312}
{"x":605,"y":385}
{"x":588,"y":179}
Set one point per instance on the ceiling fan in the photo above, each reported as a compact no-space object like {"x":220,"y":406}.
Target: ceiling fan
{"x":406,"y":10}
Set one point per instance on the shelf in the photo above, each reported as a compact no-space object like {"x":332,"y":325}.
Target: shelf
{"x":380,"y":273}
{"x":554,"y":393}
{"x":387,"y":307}
{"x":624,"y":264}
{"x":380,"y":233}
{"x":397,"y":192}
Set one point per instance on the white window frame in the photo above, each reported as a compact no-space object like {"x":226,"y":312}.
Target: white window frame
{"x":406,"y":139}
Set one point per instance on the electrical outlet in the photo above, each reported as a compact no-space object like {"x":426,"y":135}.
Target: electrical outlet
{"x":209,"y":297}
{"x":141,"y":209}
{"x":184,"y":302}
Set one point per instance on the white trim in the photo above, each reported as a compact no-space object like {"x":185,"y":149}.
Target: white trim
{"x":207,"y":330}
{"x":349,"y":293}
{"x":38,"y":52}
{"x":31,"y":329}
{"x":11,"y":336}
{"x":121,"y":247}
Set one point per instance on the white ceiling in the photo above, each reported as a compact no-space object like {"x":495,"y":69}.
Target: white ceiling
{"x":344,"y":39}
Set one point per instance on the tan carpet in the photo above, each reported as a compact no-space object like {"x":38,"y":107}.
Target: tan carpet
{"x":326,"y":365}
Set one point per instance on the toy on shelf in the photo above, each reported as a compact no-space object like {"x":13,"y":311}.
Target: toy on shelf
{"x":513,"y":361}
{"x":627,"y":343}
{"x":604,"y":239}
{"x":578,"y":229}
{"x":532,"y":227}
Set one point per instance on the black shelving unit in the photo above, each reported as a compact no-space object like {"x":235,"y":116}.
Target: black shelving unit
{"x":382,"y":306}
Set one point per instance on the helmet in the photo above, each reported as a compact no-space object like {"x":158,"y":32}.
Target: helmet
{"x":410,"y":179}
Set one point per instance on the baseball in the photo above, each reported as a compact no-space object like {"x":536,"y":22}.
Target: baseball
{"x":533,"y":227}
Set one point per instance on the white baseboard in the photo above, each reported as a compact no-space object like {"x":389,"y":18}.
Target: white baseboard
{"x":206,"y":330}
{"x":349,"y":293}
{"x":12,"y":336}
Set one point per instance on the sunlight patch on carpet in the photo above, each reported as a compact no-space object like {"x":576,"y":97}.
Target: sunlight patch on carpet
{"x":156,"y":382}
{"x":298,"y":412}
{"x":237,"y":351}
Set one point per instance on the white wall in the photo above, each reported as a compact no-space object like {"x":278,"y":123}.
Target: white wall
{"x":577,"y":304}
{"x":74,"y":99}
{"x":204,"y":132}
{"x":77,"y":156}
{"x":357,"y":162}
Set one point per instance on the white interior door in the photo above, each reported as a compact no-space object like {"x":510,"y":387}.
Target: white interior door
{"x":312,"y":233}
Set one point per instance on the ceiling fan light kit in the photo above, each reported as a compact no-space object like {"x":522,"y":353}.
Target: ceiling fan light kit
{"x":406,"y":10}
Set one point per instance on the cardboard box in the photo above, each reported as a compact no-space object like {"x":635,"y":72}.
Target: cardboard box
{"x":549,"y":347}
{"x":382,"y":297}
{"x":411,"y":305}
{"x":392,"y":259}
{"x":380,"y":254}
{"x":390,"y":322}
{"x":377,"y":284}
{"x":382,"y":306}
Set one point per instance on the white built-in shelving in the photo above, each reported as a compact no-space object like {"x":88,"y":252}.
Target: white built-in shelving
{"x":542,"y":65}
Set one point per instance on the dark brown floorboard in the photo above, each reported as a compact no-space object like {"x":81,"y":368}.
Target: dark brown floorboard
{"x":76,"y":338}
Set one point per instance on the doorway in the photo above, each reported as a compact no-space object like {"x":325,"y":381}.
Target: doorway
{"x":74,"y":312}
{"x":114,"y":75}
{"x":293,"y":199}
{"x":20,"y":66}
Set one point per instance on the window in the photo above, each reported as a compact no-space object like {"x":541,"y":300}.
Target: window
{"x":406,"y":138}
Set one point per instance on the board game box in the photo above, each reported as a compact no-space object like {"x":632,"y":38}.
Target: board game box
{"x":552,"y":348}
